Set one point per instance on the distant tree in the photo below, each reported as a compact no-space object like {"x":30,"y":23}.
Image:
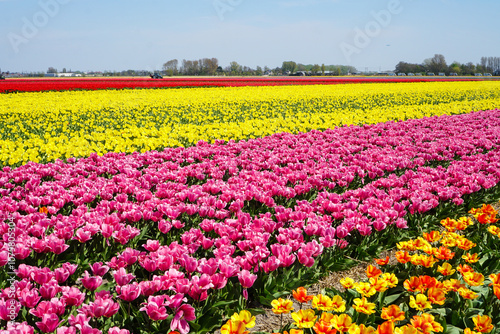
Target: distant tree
{"x":322,"y":69}
{"x":315,"y":69}
{"x":219,"y":70}
{"x":438,"y":64}
{"x":468,"y":69}
{"x":258,"y":71}
{"x":170,"y":67}
{"x":209,"y":66}
{"x":52,"y":70}
{"x":455,"y":68}
{"x":301,"y":67}
{"x":288,"y":66}
{"x":234,"y":68}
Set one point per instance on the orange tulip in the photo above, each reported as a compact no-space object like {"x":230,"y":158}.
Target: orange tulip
{"x":436,"y":326}
{"x":413,"y":284}
{"x":496,"y":290}
{"x":322,"y":302}
{"x":382,"y":262}
{"x":432,"y":236}
{"x":495,"y":230}
{"x":470,"y":258}
{"x":361,"y":329}
{"x":392,"y":313}
{"x":304,"y":318}
{"x":403,"y":257}
{"x":347,"y":283}
{"x":473,"y":278}
{"x":420,"y":302}
{"x":453,"y":285}
{"x":483,"y":323}
{"x":465,"y":268}
{"x":391,"y":279}
{"x":467,"y":293}
{"x":495,"y":279}
{"x":406,"y":329}
{"x":338,"y":304}
{"x":422,"y":324}
{"x":321,"y":327}
{"x":342,"y":322}
{"x":427,"y":282}
{"x":443,"y":253}
{"x":362,"y":305}
{"x":281,"y":306}
{"x":465,"y":244}
{"x":446,"y":269}
{"x":436,"y":296}
{"x":365,"y":289}
{"x":234,"y":327}
{"x":301,"y":295}
{"x":379,"y":283}
{"x":372,"y":271}
{"x":386,"y":328}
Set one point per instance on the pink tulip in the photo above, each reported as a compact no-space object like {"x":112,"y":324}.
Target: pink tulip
{"x":99,"y":269}
{"x":61,"y":275}
{"x":29,"y":298}
{"x":155,"y":312}
{"x":19,"y":328}
{"x":116,"y":330}
{"x":72,"y":296}
{"x":148,"y":263}
{"x":49,"y":323}
{"x":91,"y":282}
{"x":121,"y":277}
{"x":129,"y":292}
{"x":66,"y":330}
{"x":4,"y":257}
{"x":42,"y":275}
{"x":149,"y":288}
{"x":152,"y":245}
{"x":182,"y":315}
{"x":50,"y":289}
{"x":9,"y":309}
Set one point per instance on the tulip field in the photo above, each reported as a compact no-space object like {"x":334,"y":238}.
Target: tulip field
{"x":191,"y":210}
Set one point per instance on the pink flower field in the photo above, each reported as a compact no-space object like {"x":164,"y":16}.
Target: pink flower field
{"x":178,"y":239}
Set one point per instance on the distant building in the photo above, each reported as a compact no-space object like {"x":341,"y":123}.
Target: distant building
{"x":68,"y":74}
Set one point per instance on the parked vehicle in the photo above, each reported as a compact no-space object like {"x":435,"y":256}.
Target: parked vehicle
{"x":430,"y":74}
{"x":478,"y":74}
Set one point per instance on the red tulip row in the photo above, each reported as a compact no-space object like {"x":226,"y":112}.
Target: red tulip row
{"x":179,"y":225}
{"x":60,"y":84}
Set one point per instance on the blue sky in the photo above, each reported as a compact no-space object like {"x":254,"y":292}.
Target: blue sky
{"x":131,"y":34}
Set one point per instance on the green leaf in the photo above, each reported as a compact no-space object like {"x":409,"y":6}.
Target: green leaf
{"x":392,"y":298}
{"x":223,"y":303}
{"x":450,"y":329}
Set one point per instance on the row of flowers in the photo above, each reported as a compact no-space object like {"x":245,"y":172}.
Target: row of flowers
{"x":438,"y":282}
{"x":39,"y":85}
{"x":43,"y":127}
{"x":201,"y":222}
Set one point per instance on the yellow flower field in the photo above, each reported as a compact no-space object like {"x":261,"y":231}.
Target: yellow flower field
{"x":45,"y":126}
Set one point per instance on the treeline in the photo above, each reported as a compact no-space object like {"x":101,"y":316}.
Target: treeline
{"x":437,"y":64}
{"x":210,"y":66}
{"x":292,"y":68}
